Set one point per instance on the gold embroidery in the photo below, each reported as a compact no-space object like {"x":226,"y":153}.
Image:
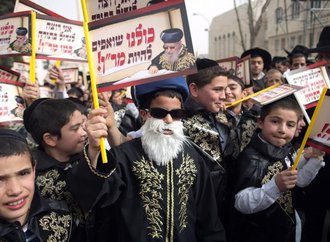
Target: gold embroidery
{"x":58,"y":225}
{"x":187,"y":174}
{"x":150,"y":192}
{"x":169,"y":202}
{"x":186,"y":61}
{"x":201,"y":133}
{"x":50,"y":186}
{"x":285,"y":200}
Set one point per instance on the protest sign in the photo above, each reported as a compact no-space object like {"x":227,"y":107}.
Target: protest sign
{"x":9,"y":76}
{"x":23,"y":68}
{"x":125,"y":46}
{"x":15,"y":34}
{"x":70,"y":74}
{"x":319,"y":136}
{"x":8,"y":104}
{"x":228,"y":63}
{"x":60,"y":39}
{"x":26,"y":5}
{"x":275,"y":94}
{"x":313,"y":78}
{"x":107,"y":8}
{"x":243,"y":70}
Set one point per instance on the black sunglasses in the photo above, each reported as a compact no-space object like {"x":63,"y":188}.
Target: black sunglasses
{"x":161,"y":113}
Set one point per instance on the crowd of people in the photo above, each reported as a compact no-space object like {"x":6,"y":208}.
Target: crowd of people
{"x":181,"y":166}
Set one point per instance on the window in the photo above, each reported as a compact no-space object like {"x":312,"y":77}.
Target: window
{"x":292,"y":42}
{"x":279,"y":15}
{"x":315,"y":4}
{"x":300,"y":40}
{"x":295,"y":9}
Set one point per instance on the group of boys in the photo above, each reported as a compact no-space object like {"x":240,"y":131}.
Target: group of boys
{"x":194,"y":172}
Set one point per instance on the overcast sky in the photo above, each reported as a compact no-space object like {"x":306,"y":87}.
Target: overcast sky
{"x":204,"y":11}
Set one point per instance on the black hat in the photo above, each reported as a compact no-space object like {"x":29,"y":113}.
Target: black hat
{"x":324,"y":41}
{"x":203,"y":63}
{"x":83,"y":40}
{"x":264,"y":54}
{"x":11,"y":134}
{"x":141,"y":92}
{"x":298,"y":49}
{"x":29,"y":110}
{"x":171,"y":35}
{"x":21,"y":31}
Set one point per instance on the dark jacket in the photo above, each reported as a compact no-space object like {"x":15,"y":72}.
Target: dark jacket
{"x":75,"y":183}
{"x":256,"y":165}
{"x":49,"y":220}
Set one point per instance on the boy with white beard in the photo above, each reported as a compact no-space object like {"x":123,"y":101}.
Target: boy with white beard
{"x":161,"y":190}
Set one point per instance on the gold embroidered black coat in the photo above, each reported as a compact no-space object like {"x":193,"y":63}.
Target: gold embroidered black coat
{"x":50,"y":221}
{"x":160,"y":203}
{"x":256,"y":165}
{"x":60,"y":180}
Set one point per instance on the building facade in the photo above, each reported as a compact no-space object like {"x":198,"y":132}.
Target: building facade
{"x":285,"y":24}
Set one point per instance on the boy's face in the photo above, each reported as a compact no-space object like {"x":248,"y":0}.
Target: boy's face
{"x":16,"y":187}
{"x":73,"y":136}
{"x":298,"y":62}
{"x":257,"y":65}
{"x":279,"y":126}
{"x":273,"y":78}
{"x":233,"y":92}
{"x":212,"y":95}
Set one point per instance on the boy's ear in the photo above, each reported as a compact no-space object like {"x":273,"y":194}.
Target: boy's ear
{"x":143,"y":115}
{"x":193,"y":89}
{"x":259,"y":123}
{"x":244,"y":93}
{"x":49,"y":139}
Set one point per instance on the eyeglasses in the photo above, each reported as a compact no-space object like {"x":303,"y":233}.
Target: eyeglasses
{"x":161,"y":113}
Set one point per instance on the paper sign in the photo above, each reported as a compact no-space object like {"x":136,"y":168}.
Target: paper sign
{"x":26,"y":5}
{"x":15,"y":35}
{"x":23,"y":68}
{"x":228,"y":63}
{"x":60,"y":39}
{"x":8,"y":104}
{"x":70,"y":74}
{"x":125,"y":46}
{"x":107,"y":8}
{"x":320,"y":134}
{"x":313,"y":78}
{"x":9,"y":76}
{"x":243,"y":70}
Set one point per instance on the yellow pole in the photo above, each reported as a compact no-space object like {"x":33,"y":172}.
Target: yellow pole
{"x":92,"y":74}
{"x":252,"y":95}
{"x":33,"y":48}
{"x":309,"y":129}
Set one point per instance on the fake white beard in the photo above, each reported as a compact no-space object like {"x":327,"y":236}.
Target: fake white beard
{"x":160,"y":147}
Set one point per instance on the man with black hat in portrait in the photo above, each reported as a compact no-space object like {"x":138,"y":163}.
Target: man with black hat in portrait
{"x":81,"y":52}
{"x":175,"y":56}
{"x":260,"y":61}
{"x":21,"y":44}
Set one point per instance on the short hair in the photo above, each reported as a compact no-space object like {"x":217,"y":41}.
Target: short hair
{"x":206,"y":75}
{"x":165,"y":93}
{"x":237,"y":79}
{"x":76,"y":91}
{"x":296,"y":55}
{"x":13,"y":143}
{"x":288,"y":103}
{"x":50,"y":116}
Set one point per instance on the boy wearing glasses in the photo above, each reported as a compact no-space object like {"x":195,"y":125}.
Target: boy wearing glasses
{"x":161,"y":189}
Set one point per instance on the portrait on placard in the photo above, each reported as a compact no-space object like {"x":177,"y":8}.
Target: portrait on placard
{"x":23,"y":68}
{"x":142,"y":46}
{"x":70,"y":74}
{"x":15,"y":36}
{"x":9,"y":103}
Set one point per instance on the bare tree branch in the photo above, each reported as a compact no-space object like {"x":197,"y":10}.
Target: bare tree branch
{"x":239,"y":26}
